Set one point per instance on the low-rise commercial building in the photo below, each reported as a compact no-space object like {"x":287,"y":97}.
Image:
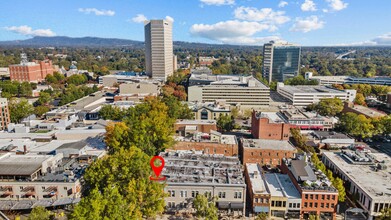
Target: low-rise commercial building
{"x":366,"y":178}
{"x":306,"y":120}
{"x":330,"y":80}
{"x":184,"y":127}
{"x":121,"y":77}
{"x":209,"y":143}
{"x":332,"y":139}
{"x":306,"y":95}
{"x":268,"y":125}
{"x":318,"y":196}
{"x":259,"y":195}
{"x":5,"y":117}
{"x":243,"y":91}
{"x":272,"y":193}
{"x":38,"y":178}
{"x":210,"y":110}
{"x":359,"y":109}
{"x":265,"y":152}
{"x":189,"y":174}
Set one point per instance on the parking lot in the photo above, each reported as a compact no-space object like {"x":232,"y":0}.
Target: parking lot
{"x":380,"y":147}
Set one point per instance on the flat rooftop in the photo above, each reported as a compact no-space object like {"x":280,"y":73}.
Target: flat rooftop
{"x":272,"y":116}
{"x":375,"y":184}
{"x":195,"y":122}
{"x":310,"y":89}
{"x":257,"y":182}
{"x":187,"y":167}
{"x":288,"y":187}
{"x":268,"y":144}
{"x":272,"y":184}
{"x":21,"y":165}
{"x":368,"y":111}
{"x":280,"y":185}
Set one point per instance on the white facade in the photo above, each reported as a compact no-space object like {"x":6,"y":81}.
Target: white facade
{"x":247,"y":92}
{"x":330,"y":80}
{"x":306,"y":95}
{"x":158,"y":48}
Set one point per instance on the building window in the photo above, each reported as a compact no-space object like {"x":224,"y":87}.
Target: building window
{"x":306,"y":196}
{"x":194,"y":194}
{"x":273,"y":203}
{"x":328,"y":197}
{"x":222,"y":195}
{"x":171,"y":193}
{"x":305,"y":205}
{"x":376,"y":208}
{"x":322,"y":197}
{"x":65,"y":188}
{"x":316,"y":197}
{"x":322,"y":205}
{"x":311,"y":196}
{"x":238,"y":195}
{"x":315,"y":204}
{"x":327,"y":205}
{"x":290,"y":205}
{"x":332,"y":205}
{"x":43,"y":188}
{"x":183,"y":194}
{"x":333,"y":197}
{"x":260,"y":154}
{"x":310,"y":204}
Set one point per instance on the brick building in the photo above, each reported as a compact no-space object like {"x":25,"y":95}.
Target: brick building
{"x":318,"y":196}
{"x":259,"y":197}
{"x":265,"y":152}
{"x":4,"y":114}
{"x":266,"y":126}
{"x":30,"y":71}
{"x":184,"y":127}
{"x":213,"y":143}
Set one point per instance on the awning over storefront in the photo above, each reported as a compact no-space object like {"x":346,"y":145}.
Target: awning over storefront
{"x":223,"y":205}
{"x":237,"y":205}
{"x":261,"y":209}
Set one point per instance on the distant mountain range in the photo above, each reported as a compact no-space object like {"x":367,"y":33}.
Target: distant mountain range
{"x":62,"y":41}
{"x":72,"y":42}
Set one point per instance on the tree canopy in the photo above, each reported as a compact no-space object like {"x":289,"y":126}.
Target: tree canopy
{"x":19,"y":109}
{"x":329,"y":106}
{"x":225,"y":123}
{"x":205,"y":207}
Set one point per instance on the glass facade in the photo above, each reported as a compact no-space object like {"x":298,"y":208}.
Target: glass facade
{"x":286,"y":61}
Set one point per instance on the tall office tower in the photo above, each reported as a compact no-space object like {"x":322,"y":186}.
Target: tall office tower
{"x":158,"y":48}
{"x":280,"y":61}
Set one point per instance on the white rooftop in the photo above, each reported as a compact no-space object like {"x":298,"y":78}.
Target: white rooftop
{"x":268,"y":144}
{"x":273,"y":185}
{"x":376,"y":184}
{"x":257,"y":183}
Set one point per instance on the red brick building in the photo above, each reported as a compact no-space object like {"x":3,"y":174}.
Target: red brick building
{"x":264,"y":127}
{"x":208,"y":147}
{"x":31,"y":71}
{"x":4,"y":114}
{"x":318,"y":196}
{"x":265,"y":152}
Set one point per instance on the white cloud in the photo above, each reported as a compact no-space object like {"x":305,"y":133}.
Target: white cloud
{"x":308,"y":5}
{"x":140,"y":18}
{"x":282,"y":4}
{"x":307,"y":24}
{"x":26,"y":30}
{"x":233,"y":32}
{"x":384,"y":39}
{"x":263,"y":14}
{"x":97,"y":11}
{"x":218,"y":2}
{"x":169,"y":18}
{"x":337,"y":5}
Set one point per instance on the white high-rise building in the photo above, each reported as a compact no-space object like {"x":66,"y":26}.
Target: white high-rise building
{"x":158,"y":48}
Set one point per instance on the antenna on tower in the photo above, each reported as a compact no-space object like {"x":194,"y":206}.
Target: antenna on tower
{"x":23,"y":59}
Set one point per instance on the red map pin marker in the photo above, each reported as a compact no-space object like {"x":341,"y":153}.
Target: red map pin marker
{"x":157,"y":169}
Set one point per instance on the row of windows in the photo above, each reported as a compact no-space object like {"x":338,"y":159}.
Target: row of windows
{"x":221,"y":195}
{"x":261,"y":200}
{"x":294,"y":205}
{"x":315,"y":205}
{"x":381,"y":206}
{"x":316,"y":196}
{"x":269,"y":154}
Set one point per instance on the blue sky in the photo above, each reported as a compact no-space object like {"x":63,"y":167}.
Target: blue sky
{"x":306,"y":22}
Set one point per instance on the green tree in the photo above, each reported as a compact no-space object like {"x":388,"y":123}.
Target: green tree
{"x":313,"y":217}
{"x":44,"y":98}
{"x":176,"y":109}
{"x":385,"y":214}
{"x":41,"y":110}
{"x":356,"y":125}
{"x":19,"y":109}
{"x":51,"y":79}
{"x":40,"y":213}
{"x":338,"y":184}
{"x":109,"y":112}
{"x":329,"y":106}
{"x":360,"y":100}
{"x":235,"y":112}
{"x":262,"y":216}
{"x":300,"y":140}
{"x":225,"y":123}
{"x":205,"y":207}
{"x":118,"y":187}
